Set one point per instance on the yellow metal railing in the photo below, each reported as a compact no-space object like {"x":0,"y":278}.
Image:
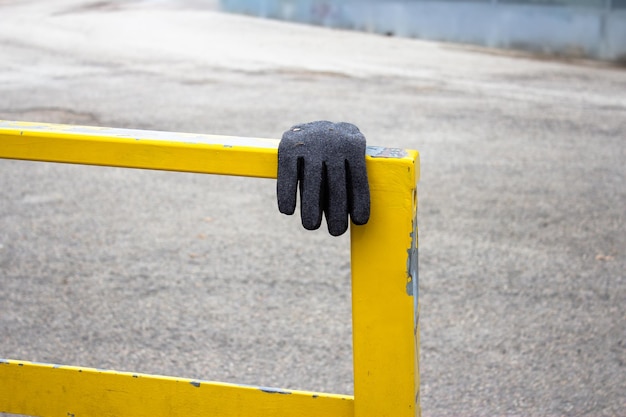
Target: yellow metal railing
{"x":385,"y":308}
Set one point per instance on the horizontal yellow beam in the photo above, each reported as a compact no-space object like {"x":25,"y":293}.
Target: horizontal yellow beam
{"x":62,"y":391}
{"x":148,"y":149}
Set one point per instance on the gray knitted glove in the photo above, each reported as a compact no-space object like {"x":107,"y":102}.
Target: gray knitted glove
{"x":327,"y":160}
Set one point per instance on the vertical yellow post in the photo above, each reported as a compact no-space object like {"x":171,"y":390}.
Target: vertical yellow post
{"x":385,"y":309}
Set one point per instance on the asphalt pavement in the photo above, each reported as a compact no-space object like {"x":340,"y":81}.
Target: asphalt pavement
{"x":522,"y":208}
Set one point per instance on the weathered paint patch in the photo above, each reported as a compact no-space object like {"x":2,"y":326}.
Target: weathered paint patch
{"x":382,"y":152}
{"x":412,"y":286}
{"x":274,"y":390}
{"x":195,"y":384}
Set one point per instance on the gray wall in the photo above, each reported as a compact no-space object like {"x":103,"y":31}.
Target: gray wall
{"x":581,"y":28}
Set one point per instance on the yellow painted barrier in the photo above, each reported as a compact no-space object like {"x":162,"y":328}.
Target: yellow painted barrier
{"x":385,"y":302}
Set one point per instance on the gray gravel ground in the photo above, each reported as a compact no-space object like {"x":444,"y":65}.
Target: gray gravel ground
{"x":522,"y":208}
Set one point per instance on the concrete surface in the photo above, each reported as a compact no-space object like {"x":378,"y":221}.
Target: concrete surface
{"x":522,"y":208}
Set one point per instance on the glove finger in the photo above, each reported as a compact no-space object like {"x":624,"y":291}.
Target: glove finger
{"x":335,"y":203}
{"x":358,"y":191}
{"x":310,"y":194}
{"x":287,"y":181}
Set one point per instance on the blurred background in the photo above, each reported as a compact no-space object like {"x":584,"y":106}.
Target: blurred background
{"x":576,"y":28}
{"x":521,"y":199}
